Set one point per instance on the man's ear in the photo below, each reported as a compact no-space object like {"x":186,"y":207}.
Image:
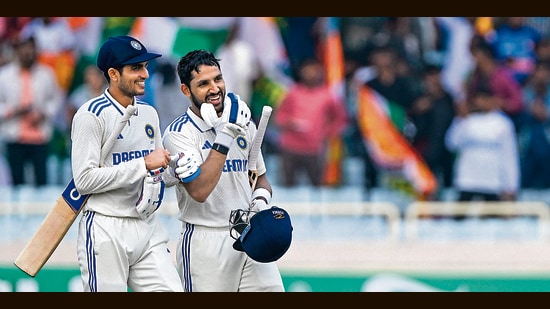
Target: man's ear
{"x":185,"y":90}
{"x":113,"y":74}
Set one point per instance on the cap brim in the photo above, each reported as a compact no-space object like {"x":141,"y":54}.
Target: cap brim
{"x":237,"y":245}
{"x":141,"y":58}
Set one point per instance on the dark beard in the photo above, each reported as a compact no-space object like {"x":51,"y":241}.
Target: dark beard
{"x":198,"y":102}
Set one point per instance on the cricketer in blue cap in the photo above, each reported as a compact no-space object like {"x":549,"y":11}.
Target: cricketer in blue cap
{"x":119,"y":51}
{"x":268,"y":235}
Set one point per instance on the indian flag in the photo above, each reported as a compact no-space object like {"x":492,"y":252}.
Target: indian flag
{"x":172,"y":38}
{"x":387,"y":146}
{"x":331,"y":53}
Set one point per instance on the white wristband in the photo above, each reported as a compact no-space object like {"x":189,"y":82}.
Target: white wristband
{"x":262,"y":193}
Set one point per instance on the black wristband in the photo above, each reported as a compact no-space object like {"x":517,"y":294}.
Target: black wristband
{"x":220,"y":148}
{"x":261,"y":198}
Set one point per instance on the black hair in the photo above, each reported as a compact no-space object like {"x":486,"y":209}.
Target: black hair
{"x":479,"y":43}
{"x":304,"y":63}
{"x":431,"y":68}
{"x":483,"y":88}
{"x":23,"y":39}
{"x":191,"y":62}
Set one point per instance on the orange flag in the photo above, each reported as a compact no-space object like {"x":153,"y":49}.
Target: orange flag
{"x":332,"y":55}
{"x":387,"y":146}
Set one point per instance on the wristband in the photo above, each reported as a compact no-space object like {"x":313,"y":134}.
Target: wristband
{"x":262,"y":193}
{"x":220,"y":148}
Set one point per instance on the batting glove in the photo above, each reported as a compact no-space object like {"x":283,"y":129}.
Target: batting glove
{"x":261,"y":198}
{"x":186,"y":167}
{"x":152,"y":193}
{"x":238,"y":113}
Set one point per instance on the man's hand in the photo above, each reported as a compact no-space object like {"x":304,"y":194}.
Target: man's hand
{"x":158,"y":158}
{"x":238,"y":113}
{"x":233,"y":122}
{"x":152,"y":193}
{"x":260,"y":200}
{"x":186,"y":167}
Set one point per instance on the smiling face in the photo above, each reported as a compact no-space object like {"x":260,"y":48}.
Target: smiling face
{"x":207,"y":86}
{"x":129,"y":82}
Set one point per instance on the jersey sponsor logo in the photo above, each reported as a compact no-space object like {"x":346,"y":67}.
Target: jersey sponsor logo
{"x":235,"y":165}
{"x":119,"y":157}
{"x":149,"y":131}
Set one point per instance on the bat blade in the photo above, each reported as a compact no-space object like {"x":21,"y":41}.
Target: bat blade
{"x":257,"y":146}
{"x":61,"y":216}
{"x":51,"y":231}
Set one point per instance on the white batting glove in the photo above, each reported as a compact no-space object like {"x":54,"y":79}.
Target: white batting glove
{"x":238,"y":114}
{"x":261,"y":198}
{"x":227,"y":132}
{"x":152,"y":193}
{"x":186,"y":167}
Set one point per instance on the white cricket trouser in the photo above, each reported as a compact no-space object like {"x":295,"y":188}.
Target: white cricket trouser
{"x":207,"y":262}
{"x":117,"y":254}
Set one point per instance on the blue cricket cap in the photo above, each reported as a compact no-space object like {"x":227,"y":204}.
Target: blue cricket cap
{"x":268,"y":235}
{"x":121,"y":50}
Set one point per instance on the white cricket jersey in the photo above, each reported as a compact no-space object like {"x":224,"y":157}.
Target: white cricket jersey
{"x":117,"y":184}
{"x":190,"y":134}
{"x":487,"y":153}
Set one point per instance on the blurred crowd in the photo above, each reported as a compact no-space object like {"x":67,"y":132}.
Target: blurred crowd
{"x":470,"y":96}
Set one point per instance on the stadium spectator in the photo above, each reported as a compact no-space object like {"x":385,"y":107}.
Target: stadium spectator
{"x":543,"y":50}
{"x":485,"y":144}
{"x":56,"y":44}
{"x":432,"y":114}
{"x":396,"y":89}
{"x":30,"y":98}
{"x":535,"y":129}
{"x":515,"y":44}
{"x":488,"y":72}
{"x":307,"y":116}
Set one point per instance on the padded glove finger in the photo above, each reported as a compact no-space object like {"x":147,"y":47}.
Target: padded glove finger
{"x":187,"y":167}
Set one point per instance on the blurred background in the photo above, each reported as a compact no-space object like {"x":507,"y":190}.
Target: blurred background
{"x":411,"y":152}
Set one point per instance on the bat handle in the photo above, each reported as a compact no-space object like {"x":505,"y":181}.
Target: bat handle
{"x":252,"y":179}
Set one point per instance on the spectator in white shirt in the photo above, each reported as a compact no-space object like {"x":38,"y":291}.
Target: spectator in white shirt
{"x":485,"y":144}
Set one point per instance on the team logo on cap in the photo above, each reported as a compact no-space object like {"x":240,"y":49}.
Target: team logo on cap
{"x":278,"y":214}
{"x":135,"y":45}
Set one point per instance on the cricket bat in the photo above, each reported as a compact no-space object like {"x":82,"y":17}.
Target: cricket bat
{"x":61,"y":216}
{"x":257,"y":145}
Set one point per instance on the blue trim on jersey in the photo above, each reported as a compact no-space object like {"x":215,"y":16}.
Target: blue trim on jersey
{"x":91,"y":260}
{"x":186,"y":257}
{"x":180,"y":121}
{"x":98,"y":105}
{"x":234,"y":108}
{"x":139,"y":101}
